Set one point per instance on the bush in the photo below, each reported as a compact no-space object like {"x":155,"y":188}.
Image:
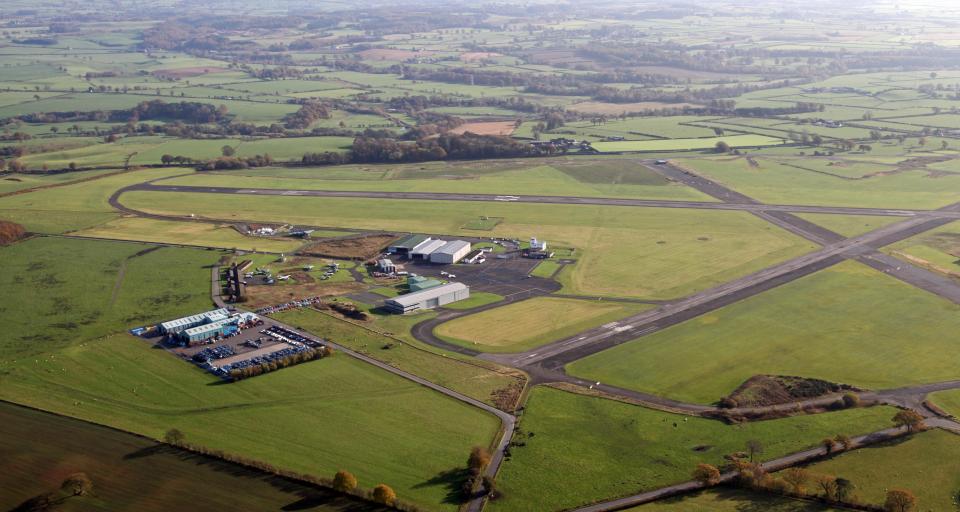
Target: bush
{"x":344,"y":481}
{"x":384,"y":495}
{"x":77,"y":484}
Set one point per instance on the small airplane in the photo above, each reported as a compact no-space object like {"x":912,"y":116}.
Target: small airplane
{"x":283,"y":278}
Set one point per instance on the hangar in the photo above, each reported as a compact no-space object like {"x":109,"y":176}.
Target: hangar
{"x":428,"y":299}
{"x":451,"y":252}
{"x":423,"y":251}
{"x":406,"y":245}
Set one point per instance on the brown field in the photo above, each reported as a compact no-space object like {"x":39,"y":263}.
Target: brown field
{"x":485,"y":128}
{"x":354,"y":248}
{"x":474,"y":56}
{"x":270,"y":295}
{"x":598,"y":107}
{"x":189,"y":72}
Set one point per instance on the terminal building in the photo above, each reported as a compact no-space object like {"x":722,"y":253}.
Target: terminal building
{"x":429,"y":298}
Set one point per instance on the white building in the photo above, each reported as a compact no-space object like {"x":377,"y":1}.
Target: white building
{"x":451,"y":252}
{"x":424,"y":250}
{"x":538,"y":245}
{"x":429,"y":298}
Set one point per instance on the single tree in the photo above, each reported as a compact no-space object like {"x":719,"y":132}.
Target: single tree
{"x":797,"y":478}
{"x":900,"y":500}
{"x":828,"y":486}
{"x":851,"y":400}
{"x":344,"y":481}
{"x":827,"y":444}
{"x":844,"y":441}
{"x":383,"y":494}
{"x":174,"y":437}
{"x":754,"y":448}
{"x":722,"y":147}
{"x":77,"y":484}
{"x":844,"y":489}
{"x":706,"y":474}
{"x":228,"y":151}
{"x":912,"y":420}
{"x":166,"y":159}
{"x":479,"y":458}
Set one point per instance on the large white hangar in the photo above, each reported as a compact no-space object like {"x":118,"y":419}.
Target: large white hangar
{"x":429,"y":298}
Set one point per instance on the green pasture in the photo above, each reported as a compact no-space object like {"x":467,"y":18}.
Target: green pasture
{"x":774,"y":182}
{"x":530,"y":323}
{"x":847,"y":324}
{"x":849,"y":225}
{"x":938,"y":249}
{"x":60,"y":355}
{"x":620,"y":449}
{"x":735,"y":141}
{"x":560,"y":177}
{"x":927,"y":464}
{"x":128,"y":472}
{"x":187,"y":233}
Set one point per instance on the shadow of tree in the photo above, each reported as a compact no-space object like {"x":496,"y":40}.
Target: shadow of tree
{"x":452,"y":480}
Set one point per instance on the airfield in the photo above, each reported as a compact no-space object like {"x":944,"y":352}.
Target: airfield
{"x":793,"y":288}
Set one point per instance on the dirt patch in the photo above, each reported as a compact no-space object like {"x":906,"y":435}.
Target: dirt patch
{"x":354,"y":248}
{"x":766,"y":390}
{"x":507,"y":398}
{"x":189,"y":72}
{"x":269,"y":295}
{"x":475,"y":56}
{"x":599,"y":107}
{"x":10,"y":232}
{"x":485,"y":128}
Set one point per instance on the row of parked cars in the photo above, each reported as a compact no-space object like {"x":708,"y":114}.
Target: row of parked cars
{"x":294,"y":304}
{"x":224,"y":371}
{"x":213,"y":353}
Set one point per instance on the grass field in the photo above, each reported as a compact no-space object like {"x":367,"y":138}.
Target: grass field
{"x":14,"y":182}
{"x":129,"y":472}
{"x":619,"y":449}
{"x":546,"y":269}
{"x":794,"y":330}
{"x":59,"y":356}
{"x":531,"y":323}
{"x":594,"y":177}
{"x":948,"y":400}
{"x":849,"y":225}
{"x":186,"y":233}
{"x":936,"y":250}
{"x":731,"y":500}
{"x":470,"y":379}
{"x":735,"y":141}
{"x":476,"y":300}
{"x":774,"y":182}
{"x":928,"y":464}
{"x":78,"y":206}
{"x":682,"y":250}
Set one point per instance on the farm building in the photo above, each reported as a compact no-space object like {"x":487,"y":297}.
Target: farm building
{"x":420,"y":283}
{"x":406,"y":245}
{"x":187,"y":322}
{"x":386,"y":266}
{"x":451,"y":252}
{"x":428,"y":299}
{"x":424,"y":250}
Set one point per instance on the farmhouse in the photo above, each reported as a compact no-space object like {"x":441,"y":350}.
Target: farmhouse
{"x":406,"y":245}
{"x":451,"y":252}
{"x":428,"y":299}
